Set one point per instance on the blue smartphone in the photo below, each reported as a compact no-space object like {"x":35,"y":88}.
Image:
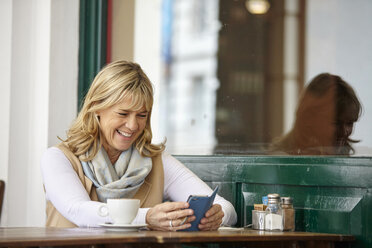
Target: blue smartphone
{"x":200,"y":204}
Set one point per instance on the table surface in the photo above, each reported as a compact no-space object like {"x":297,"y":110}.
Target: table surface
{"x":41,"y":236}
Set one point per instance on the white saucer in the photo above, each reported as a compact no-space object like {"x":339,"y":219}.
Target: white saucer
{"x":123,"y":227}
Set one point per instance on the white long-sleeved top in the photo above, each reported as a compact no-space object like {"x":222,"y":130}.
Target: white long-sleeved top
{"x":68,"y":195}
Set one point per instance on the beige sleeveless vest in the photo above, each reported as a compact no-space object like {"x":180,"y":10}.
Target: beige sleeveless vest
{"x":150,"y":193}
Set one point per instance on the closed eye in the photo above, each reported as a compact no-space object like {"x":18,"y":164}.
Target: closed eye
{"x":141,"y":115}
{"x":122,"y":113}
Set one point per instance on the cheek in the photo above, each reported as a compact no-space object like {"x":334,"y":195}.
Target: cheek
{"x":105,"y":130}
{"x":109,"y":127}
{"x":143,"y":125}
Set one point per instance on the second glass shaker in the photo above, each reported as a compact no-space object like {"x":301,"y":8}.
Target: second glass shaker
{"x":274,"y":215}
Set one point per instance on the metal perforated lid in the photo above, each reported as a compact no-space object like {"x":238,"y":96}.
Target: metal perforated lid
{"x":286,"y":200}
{"x":273,"y":198}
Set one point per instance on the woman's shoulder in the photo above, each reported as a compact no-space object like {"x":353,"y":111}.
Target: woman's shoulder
{"x":167,"y":158}
{"x":172,"y":163}
{"x":52,"y":154}
{"x":53,"y":151}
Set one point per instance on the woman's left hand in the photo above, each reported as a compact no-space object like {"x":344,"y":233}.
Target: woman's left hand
{"x":213,"y":218}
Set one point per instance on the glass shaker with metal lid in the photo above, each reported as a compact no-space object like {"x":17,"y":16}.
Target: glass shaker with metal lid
{"x":288,"y":214}
{"x":274,"y":215}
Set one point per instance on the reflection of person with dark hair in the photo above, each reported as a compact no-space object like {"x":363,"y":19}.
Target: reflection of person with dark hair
{"x":325,"y":117}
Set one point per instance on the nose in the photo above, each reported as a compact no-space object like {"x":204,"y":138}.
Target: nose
{"x":132,"y":123}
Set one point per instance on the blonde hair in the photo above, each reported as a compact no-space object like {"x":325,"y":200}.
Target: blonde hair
{"x":115,"y":82}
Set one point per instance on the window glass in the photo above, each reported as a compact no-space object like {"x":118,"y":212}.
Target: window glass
{"x":265,"y":77}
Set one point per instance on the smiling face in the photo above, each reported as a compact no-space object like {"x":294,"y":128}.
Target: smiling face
{"x":120,"y":126}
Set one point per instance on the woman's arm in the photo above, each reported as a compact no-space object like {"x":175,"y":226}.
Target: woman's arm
{"x":68,"y":195}
{"x":180,"y":182}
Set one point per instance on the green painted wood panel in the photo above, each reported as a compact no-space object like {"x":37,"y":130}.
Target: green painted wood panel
{"x":331,"y":194}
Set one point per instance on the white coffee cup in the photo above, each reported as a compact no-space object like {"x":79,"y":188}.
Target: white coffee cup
{"x":121,"y":211}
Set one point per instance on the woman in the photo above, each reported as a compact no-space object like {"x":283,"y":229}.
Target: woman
{"x":325,"y":117}
{"x":108,"y":154}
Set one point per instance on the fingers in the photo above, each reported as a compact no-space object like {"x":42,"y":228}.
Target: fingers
{"x":213,"y":210}
{"x":179,"y":214}
{"x":212,"y":219}
{"x":171,"y":206}
{"x":210,"y":226}
{"x":169,"y":216}
{"x":178,"y":227}
{"x":175,"y":225}
{"x":178,"y":220}
{"x":215,"y":218}
{"x":179,"y":224}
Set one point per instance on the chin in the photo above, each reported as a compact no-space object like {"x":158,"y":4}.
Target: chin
{"x":124,"y":148}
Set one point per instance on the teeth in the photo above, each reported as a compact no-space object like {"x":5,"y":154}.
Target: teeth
{"x":124,"y":134}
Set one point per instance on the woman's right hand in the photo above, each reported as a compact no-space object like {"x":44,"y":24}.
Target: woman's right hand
{"x":169,"y":216}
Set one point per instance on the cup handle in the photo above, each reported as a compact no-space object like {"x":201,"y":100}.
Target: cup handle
{"x":103,"y":210}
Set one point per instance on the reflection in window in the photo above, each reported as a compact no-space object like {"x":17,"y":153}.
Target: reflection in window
{"x":199,"y":17}
{"x":234,"y":78}
{"x":191,"y":79}
{"x":325,"y":117}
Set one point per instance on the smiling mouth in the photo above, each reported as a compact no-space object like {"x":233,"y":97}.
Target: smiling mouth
{"x":126,"y":135}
